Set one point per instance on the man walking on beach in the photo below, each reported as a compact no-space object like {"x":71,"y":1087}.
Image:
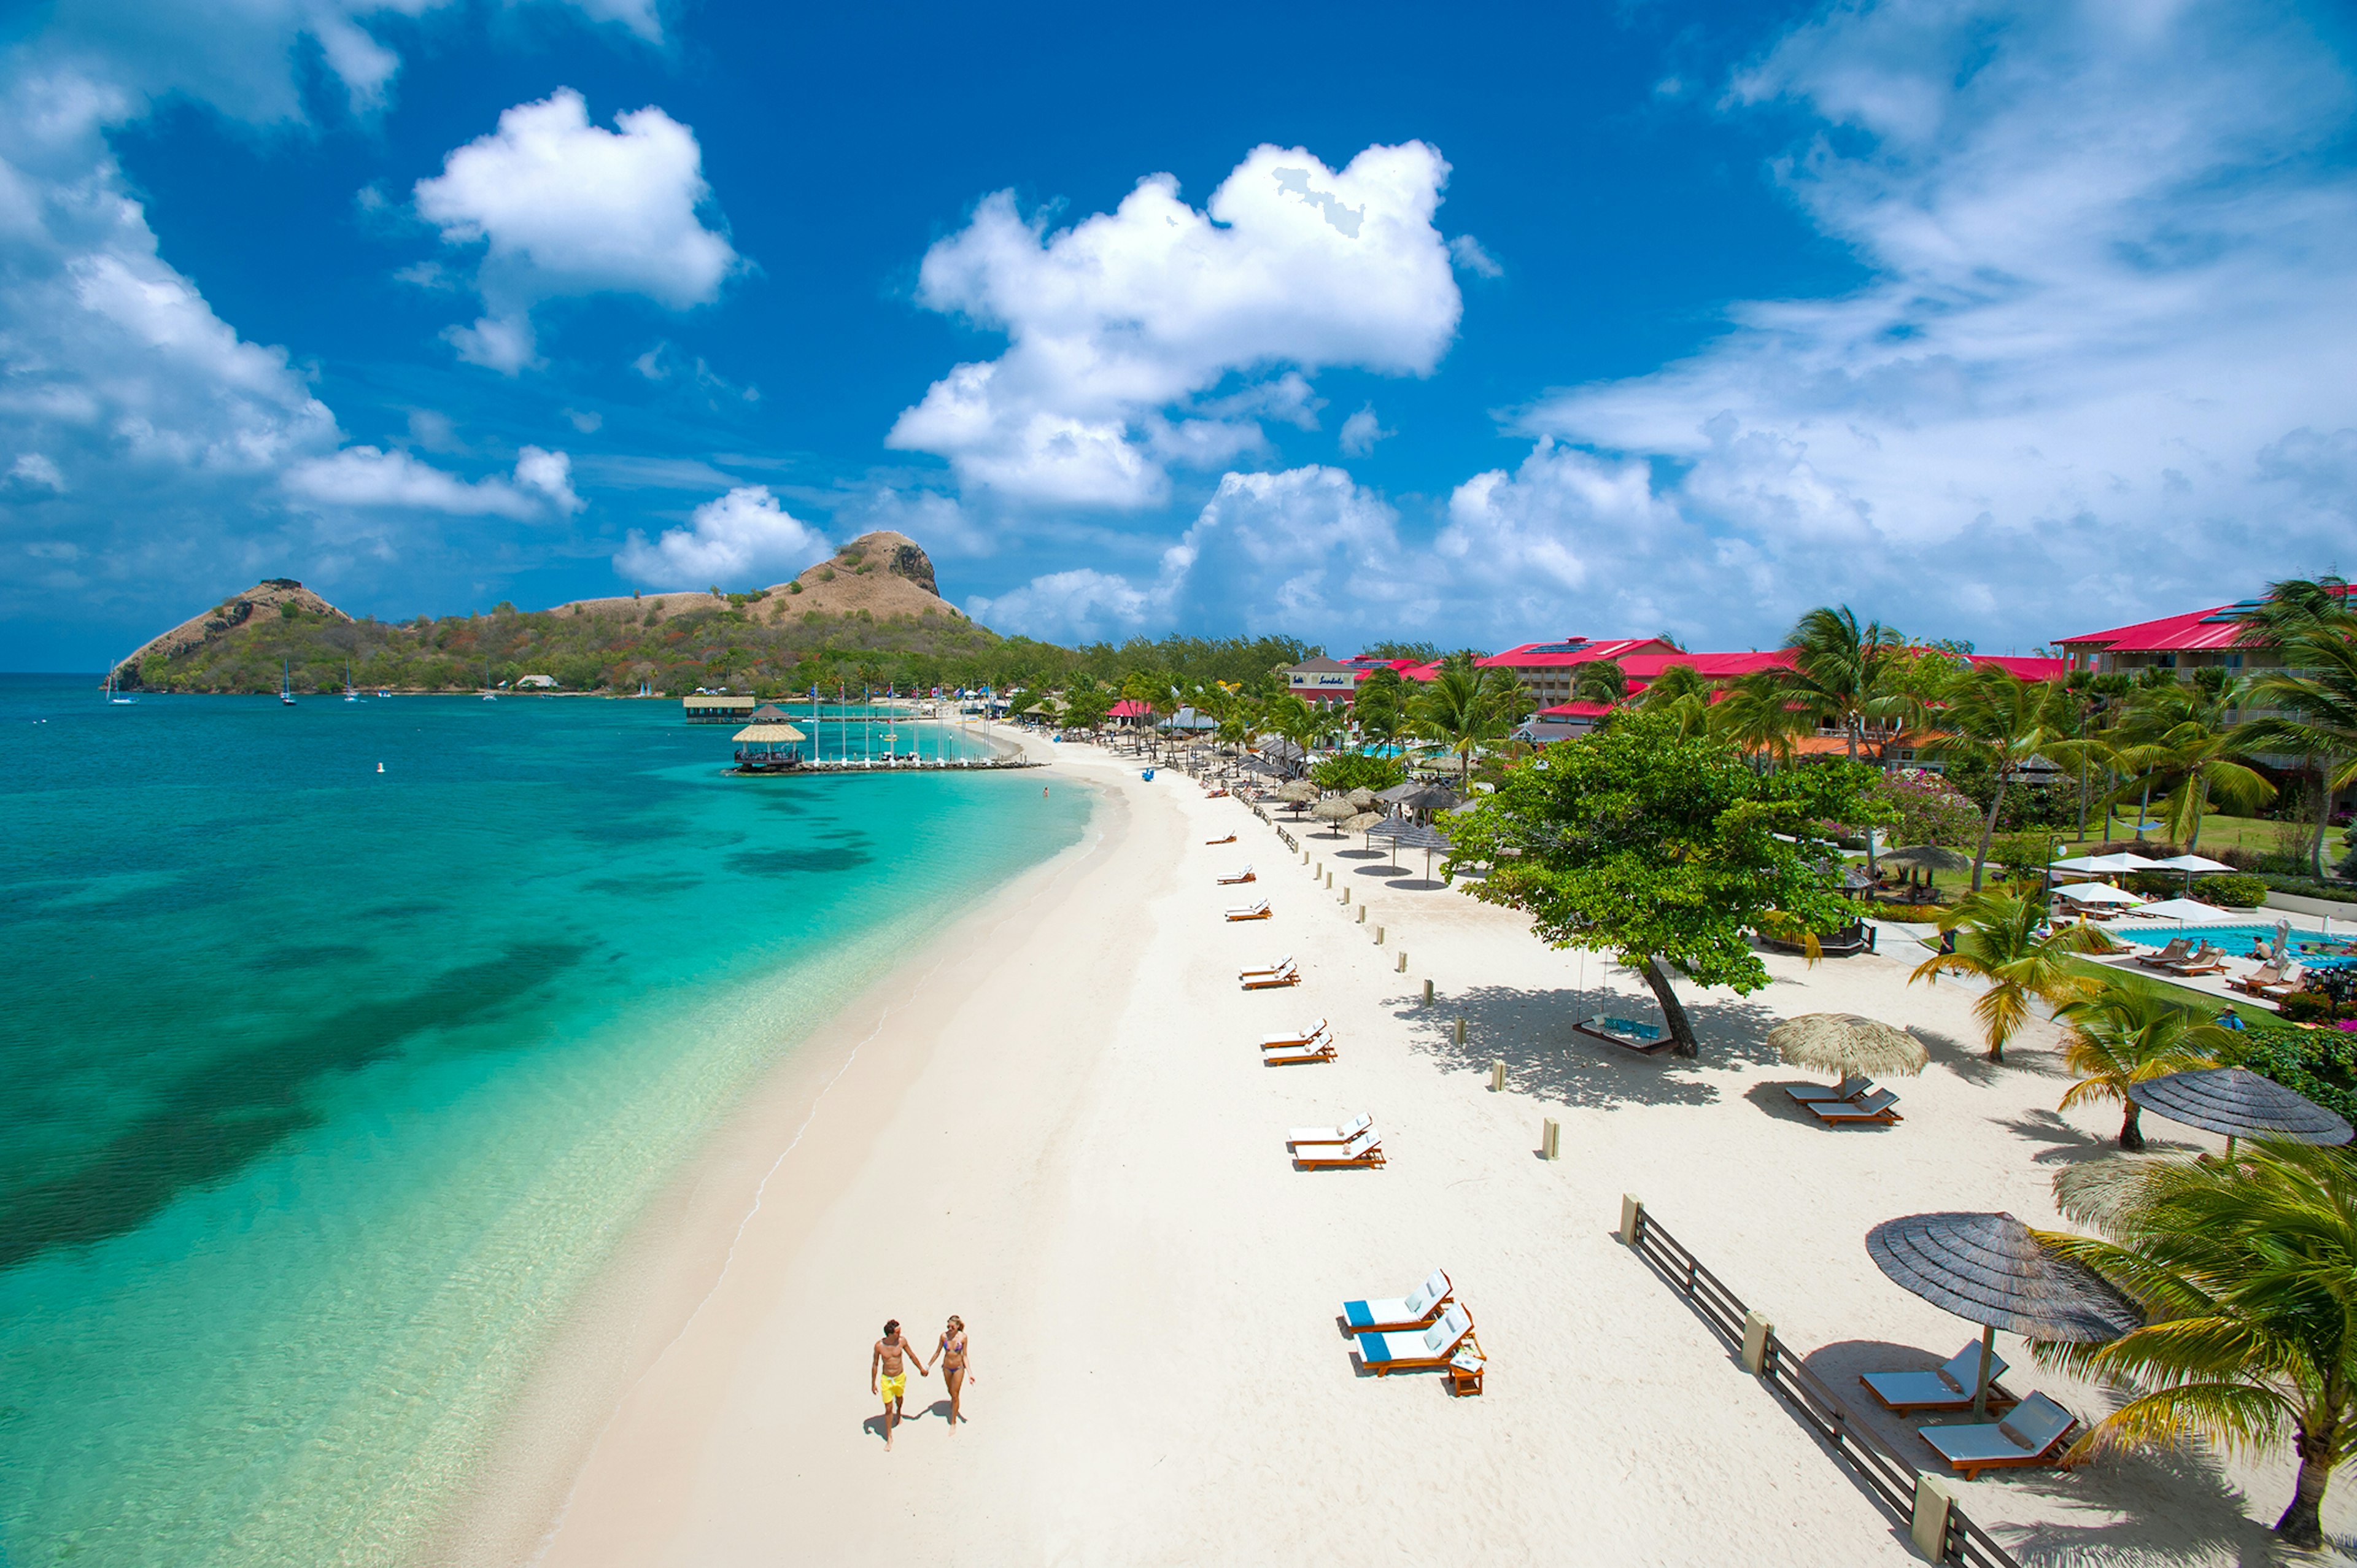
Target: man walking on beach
{"x":887,"y":1356}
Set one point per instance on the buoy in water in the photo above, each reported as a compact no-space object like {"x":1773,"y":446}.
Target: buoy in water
{"x":379,"y":767}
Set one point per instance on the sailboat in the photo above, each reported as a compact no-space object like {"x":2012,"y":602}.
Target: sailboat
{"x":350,"y":695}
{"x":119,"y":698}
{"x":489,"y":695}
{"x":286,"y":683}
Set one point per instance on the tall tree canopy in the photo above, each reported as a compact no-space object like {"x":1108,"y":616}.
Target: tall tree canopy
{"x":1661,"y":848}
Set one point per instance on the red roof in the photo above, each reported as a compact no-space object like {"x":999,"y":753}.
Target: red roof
{"x":2027,"y":669}
{"x":2171,"y":634}
{"x":1646,"y":668}
{"x":1131,"y":708}
{"x":1570,"y":651}
{"x":1575,"y":711}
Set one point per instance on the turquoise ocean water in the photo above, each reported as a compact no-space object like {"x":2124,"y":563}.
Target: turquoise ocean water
{"x":323,"y":1089}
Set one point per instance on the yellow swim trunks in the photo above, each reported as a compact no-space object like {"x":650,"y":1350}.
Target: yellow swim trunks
{"x":894,"y":1388}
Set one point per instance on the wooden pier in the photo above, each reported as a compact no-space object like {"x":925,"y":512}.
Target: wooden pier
{"x":855,"y":767}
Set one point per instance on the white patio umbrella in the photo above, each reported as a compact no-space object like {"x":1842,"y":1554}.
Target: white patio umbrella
{"x":2191,"y":865}
{"x":2097,"y":893}
{"x":2180,"y":910}
{"x":2106,"y":864}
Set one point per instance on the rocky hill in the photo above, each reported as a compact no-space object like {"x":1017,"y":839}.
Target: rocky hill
{"x":882,"y":574}
{"x":871,"y":611}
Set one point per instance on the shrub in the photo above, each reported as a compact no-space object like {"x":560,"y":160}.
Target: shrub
{"x":2021,"y":856}
{"x":2309,"y":887}
{"x":2233,"y":888}
{"x":1350,"y":771}
{"x":794,"y":587}
{"x":1926,"y":913}
{"x":2307,"y":1008}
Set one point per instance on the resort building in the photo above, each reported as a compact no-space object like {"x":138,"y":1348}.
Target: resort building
{"x":2198,"y":639}
{"x":1326,"y":682}
{"x":1546,"y":669}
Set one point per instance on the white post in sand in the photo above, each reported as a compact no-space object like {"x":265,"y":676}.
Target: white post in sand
{"x":1550,"y":1139}
{"x":1497,"y":1076}
{"x":1632,"y":1215}
{"x":1460,"y":1031}
{"x":1402,"y":967}
{"x":1756,"y":1330}
{"x":1427,"y":987}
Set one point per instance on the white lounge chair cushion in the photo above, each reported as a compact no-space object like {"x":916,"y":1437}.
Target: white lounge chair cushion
{"x":1409,"y":1308}
{"x":1357,"y":1148}
{"x":1434,"y":1344}
{"x":1865,"y":1109}
{"x":1951,"y":1384}
{"x":1365,"y":1123}
{"x":1309,"y":1037}
{"x":1279,"y":967}
{"x":1311,"y":1052}
{"x":2036,"y":1424}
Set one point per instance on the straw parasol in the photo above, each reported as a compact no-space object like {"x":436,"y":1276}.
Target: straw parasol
{"x":1335,"y":809}
{"x":1362,"y":821}
{"x":1406,"y":834}
{"x":1989,"y":1269}
{"x":770,"y":735}
{"x":1362,"y":799}
{"x":1300,"y":792}
{"x":1843,"y":1043}
{"x":2241,"y":1104}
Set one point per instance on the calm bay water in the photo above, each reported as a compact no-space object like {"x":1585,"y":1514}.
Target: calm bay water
{"x":322,"y":1090}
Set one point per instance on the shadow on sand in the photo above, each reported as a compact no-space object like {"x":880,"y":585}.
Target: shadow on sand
{"x":1531,"y":1031}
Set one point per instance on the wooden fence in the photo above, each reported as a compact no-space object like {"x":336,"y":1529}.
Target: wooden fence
{"x":1924,"y":1512}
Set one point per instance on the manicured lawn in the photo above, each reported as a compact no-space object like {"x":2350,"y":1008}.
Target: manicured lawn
{"x":2217,"y":832}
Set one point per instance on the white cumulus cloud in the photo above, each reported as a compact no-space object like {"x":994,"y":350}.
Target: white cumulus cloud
{"x":364,"y":477}
{"x":741,"y":538}
{"x":1119,"y":325}
{"x":1361,"y":432}
{"x":564,"y":208}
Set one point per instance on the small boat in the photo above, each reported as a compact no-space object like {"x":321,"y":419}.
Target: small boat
{"x":286,"y":683}
{"x":119,"y":698}
{"x":489,"y":695}
{"x":350,"y":695}
{"x":384,"y":691}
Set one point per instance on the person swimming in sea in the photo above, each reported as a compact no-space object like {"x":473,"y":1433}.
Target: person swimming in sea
{"x":952,"y":1356}
{"x":887,"y":1358}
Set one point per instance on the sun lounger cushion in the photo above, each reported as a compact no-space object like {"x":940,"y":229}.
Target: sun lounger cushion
{"x":1430,"y":1347}
{"x":1411,"y":1308}
{"x":2034,"y":1429}
{"x":1875,"y":1107}
{"x":1848,"y":1089}
{"x":1304,"y":1037}
{"x":1331,"y":1134}
{"x":1953,"y":1384}
{"x":1286,"y":1056}
{"x":1366,"y":1145}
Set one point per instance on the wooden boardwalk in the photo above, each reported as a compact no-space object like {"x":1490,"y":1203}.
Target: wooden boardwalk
{"x":854,"y":767}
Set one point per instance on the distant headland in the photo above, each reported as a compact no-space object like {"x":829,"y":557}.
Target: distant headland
{"x":872,"y":611}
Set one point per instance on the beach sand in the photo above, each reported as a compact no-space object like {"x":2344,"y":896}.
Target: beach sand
{"x":1056,"y":1124}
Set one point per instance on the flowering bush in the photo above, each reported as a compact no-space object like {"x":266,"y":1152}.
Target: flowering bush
{"x":1930,"y":810}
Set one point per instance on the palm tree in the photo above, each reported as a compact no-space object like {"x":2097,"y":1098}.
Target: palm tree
{"x":2122,"y":1036}
{"x":1465,"y":707}
{"x":1295,"y":721}
{"x":1680,"y":691}
{"x":2000,"y":719}
{"x":1377,"y":705}
{"x":2186,"y":735}
{"x":2315,"y":695}
{"x":2248,"y":1271}
{"x":1841,"y":671}
{"x":1758,"y":715}
{"x":1600,"y":681}
{"x":1997,"y":939}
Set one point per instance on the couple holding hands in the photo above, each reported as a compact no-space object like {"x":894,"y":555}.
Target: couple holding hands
{"x":891,"y":1355}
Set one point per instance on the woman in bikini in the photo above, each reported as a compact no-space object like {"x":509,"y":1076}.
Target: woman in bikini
{"x":887,"y":1356}
{"x":951,"y":1356}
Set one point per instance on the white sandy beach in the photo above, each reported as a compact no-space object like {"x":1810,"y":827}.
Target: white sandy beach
{"x":1056,"y":1124}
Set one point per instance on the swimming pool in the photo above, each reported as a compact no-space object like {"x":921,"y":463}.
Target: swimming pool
{"x":2314,"y":948}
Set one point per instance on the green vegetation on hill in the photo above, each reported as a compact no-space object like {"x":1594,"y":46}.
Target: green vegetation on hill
{"x":716,"y":648}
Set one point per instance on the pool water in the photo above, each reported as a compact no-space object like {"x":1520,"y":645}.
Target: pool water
{"x":2314,"y":948}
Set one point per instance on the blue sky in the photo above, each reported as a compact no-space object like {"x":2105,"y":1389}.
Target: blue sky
{"x":1999,"y":322}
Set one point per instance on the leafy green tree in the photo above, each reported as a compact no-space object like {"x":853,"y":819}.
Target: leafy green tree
{"x":1842,"y":672}
{"x":2124,"y":1035}
{"x":1757,"y":715}
{"x":1999,"y":940}
{"x":1349,"y":770}
{"x":1466,"y":706}
{"x":2248,"y":1270}
{"x":1600,"y":681}
{"x":1680,"y":694}
{"x":1380,"y":706}
{"x":1660,"y":848}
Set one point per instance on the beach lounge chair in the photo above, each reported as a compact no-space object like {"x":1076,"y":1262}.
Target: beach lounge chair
{"x":1251,"y":912}
{"x":2258,"y":979}
{"x":1943,"y":1387}
{"x":1215,"y":795}
{"x":1308,"y":1036}
{"x":1418,"y":1349}
{"x":1298,"y":1056}
{"x":2030,"y":1436}
{"x":1301,"y":1135}
{"x":1818,"y":1094}
{"x":1400,"y":1314}
{"x":1230,"y":839}
{"x":1364,"y":1151}
{"x":1279,"y":967}
{"x":1643,"y":1038}
{"x":1289,"y":975}
{"x":2294,"y":978}
{"x":2178,"y":949}
{"x":1246,"y":874}
{"x":2203,"y":960}
{"x":1875,"y":1107}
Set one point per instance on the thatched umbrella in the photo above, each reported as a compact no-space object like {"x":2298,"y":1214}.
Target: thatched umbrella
{"x":1404,"y":833}
{"x":1363,"y":822}
{"x":2241,"y":1104}
{"x":1334,"y":809}
{"x":1989,"y":1269}
{"x":1843,"y":1043}
{"x":1362,"y":799}
{"x":1300,"y":792}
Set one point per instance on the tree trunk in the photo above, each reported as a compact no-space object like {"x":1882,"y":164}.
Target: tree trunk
{"x":2324,"y":816}
{"x":2301,"y":1523}
{"x":1988,"y":828}
{"x":2143,"y":808}
{"x":2201,"y":808}
{"x":2131,"y":1135}
{"x":1673,"y":1013}
{"x":2082,"y":802}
